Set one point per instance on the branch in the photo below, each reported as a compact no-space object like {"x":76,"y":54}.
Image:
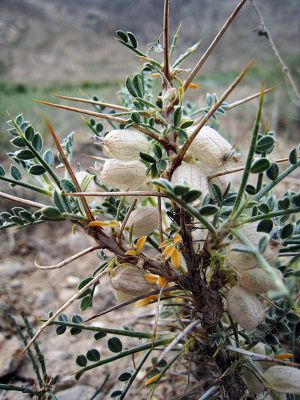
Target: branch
{"x":105,"y":194}
{"x":67,"y":260}
{"x":266,"y":33}
{"x":178,"y":159}
{"x":166,"y":68}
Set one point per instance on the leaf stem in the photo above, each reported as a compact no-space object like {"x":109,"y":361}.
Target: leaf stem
{"x":27,"y":185}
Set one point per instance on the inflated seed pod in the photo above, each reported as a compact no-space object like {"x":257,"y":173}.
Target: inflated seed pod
{"x":143,"y":221}
{"x":191,"y":175}
{"x":284,"y":379}
{"x":123,"y":174}
{"x":267,"y":396}
{"x":91,"y":187}
{"x":211,"y":148}
{"x":246,"y":261}
{"x":244,"y":308}
{"x":256,"y":280}
{"x":121,"y":297}
{"x":253,"y":384}
{"x":129,"y":279}
{"x":125,"y":144}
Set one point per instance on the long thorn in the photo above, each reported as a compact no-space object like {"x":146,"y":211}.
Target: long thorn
{"x":105,"y":194}
{"x":69,"y":169}
{"x":62,"y":308}
{"x":22,"y":201}
{"x":166,"y":67}
{"x":67,"y":260}
{"x":95,"y":102}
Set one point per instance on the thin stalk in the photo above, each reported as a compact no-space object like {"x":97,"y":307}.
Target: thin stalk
{"x":22,"y":201}
{"x":250,"y":156}
{"x":273,"y":214}
{"x":186,"y":54}
{"x":95,"y":102}
{"x":160,"y":224}
{"x":146,"y":346}
{"x":134,"y":375}
{"x":120,"y":332}
{"x":177,"y":161}
{"x":137,"y":193}
{"x":175,"y":38}
{"x":272,"y":184}
{"x":15,"y":388}
{"x":166,"y":67}
{"x":27,"y":186}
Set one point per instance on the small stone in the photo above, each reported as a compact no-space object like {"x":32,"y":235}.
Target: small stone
{"x":78,"y":392}
{"x":9,"y":349}
{"x":44,"y":298}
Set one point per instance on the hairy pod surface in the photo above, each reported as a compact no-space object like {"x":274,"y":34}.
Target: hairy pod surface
{"x":121,"y":297}
{"x":211,"y":148}
{"x":123,"y":174}
{"x":125,"y":144}
{"x":191,"y":175}
{"x":129,"y":279}
{"x":284,"y":379}
{"x":143,"y":221}
{"x":244,"y":308}
{"x":256,"y":280}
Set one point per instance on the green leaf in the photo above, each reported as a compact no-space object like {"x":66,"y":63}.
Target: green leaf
{"x":60,"y":330}
{"x":293,"y":156}
{"x":138,"y":86}
{"x":24,"y":155}
{"x":122,"y":35}
{"x":29,"y":133}
{"x":133,"y":39}
{"x":161,"y":165}
{"x":264,"y":207}
{"x":93,"y":355}
{"x":26,"y":215}
{"x":99,"y":335}
{"x":284,"y":203}
{"x":273,"y":171}
{"x":287,"y":231}
{"x":84,"y":282}
{"x":37,"y":169}
{"x":15,"y":173}
{"x":191,"y":196}
{"x":271,"y":339}
{"x":49,"y":157}
{"x":180,"y":190}
{"x":295,"y":199}
{"x":217,"y":193}
{"x":81,"y":360}
{"x":37,"y":142}
{"x":250,"y":189}
{"x":75,"y":331}
{"x":67,"y":186}
{"x":130,"y":86}
{"x":265,"y":143}
{"x":18,"y":142}
{"x":2,"y":170}
{"x":186,"y":124}
{"x":157,"y":150}
{"x":115,"y":345}
{"x":77,"y":319}
{"x":282,"y":328}
{"x":146,"y":157}
{"x":177,"y":116}
{"x":51,"y":212}
{"x":63,"y":318}
{"x":263,"y":244}
{"x":163,"y":183}
{"x":125,"y":376}
{"x":260,"y":165}
{"x":209,"y":209}
{"x":116,"y":393}
{"x":135,"y":118}
{"x":266,"y":225}
{"x":16,"y":220}
{"x":292,"y":317}
{"x":86,"y":302}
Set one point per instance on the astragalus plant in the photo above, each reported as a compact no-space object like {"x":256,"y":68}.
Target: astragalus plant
{"x":218,"y":260}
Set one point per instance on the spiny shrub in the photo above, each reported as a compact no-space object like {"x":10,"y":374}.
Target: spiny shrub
{"x":218,"y":258}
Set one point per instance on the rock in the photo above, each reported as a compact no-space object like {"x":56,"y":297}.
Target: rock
{"x":44,"y":298}
{"x":9,"y":349}
{"x":79,"y":392}
{"x":10,"y":268}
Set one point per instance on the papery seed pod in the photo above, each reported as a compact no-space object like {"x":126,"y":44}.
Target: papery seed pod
{"x":284,"y":379}
{"x":91,"y":187}
{"x":221,"y":181}
{"x":267,"y":396}
{"x":125,"y":144}
{"x":129,"y":279}
{"x":256,"y":280}
{"x":211,"y":148}
{"x":244,"y":308}
{"x":123,"y":174}
{"x":143,"y":221}
{"x":253,"y":384}
{"x":121,"y":297}
{"x":260,"y":348}
{"x":191,"y":175}
{"x":246,"y":261}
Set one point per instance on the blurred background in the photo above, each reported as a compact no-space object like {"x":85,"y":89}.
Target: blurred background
{"x":68,"y":47}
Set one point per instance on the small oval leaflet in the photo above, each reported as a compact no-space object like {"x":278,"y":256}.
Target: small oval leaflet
{"x":93,"y":355}
{"x":81,"y":360}
{"x":260,"y":165}
{"x":114,"y":345}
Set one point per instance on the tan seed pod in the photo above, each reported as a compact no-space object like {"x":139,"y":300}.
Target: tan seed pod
{"x":121,"y":297}
{"x":125,"y":144}
{"x":129,"y":279}
{"x":260,"y":348}
{"x":253,"y":384}
{"x":284,"y":379}
{"x":143,"y":221}
{"x":125,"y":175}
{"x":91,"y":187}
{"x":246,"y":261}
{"x":211,"y":148}
{"x":244,"y":308}
{"x":191,"y":175}
{"x":256,"y":280}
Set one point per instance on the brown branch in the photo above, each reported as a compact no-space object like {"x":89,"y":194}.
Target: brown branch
{"x":178,"y":159}
{"x":249,"y":98}
{"x":105,"y":194}
{"x":22,"y":201}
{"x":266,"y":33}
{"x":160,"y":227}
{"x":67,"y":260}
{"x":69,"y":169}
{"x":129,"y":211}
{"x":166,"y":67}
